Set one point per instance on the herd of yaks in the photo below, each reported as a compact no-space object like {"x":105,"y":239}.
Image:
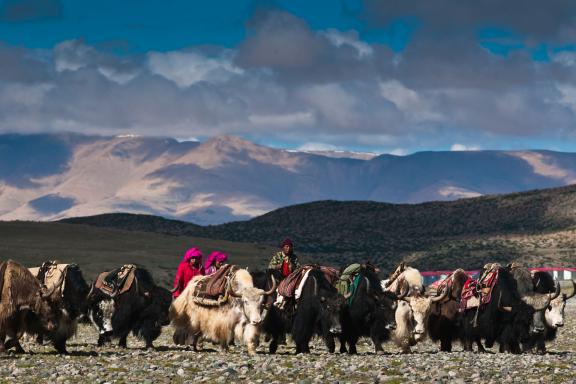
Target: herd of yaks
{"x":507,"y":305}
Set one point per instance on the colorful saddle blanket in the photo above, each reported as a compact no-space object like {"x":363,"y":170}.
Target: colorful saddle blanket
{"x":478,"y":292}
{"x":214,"y":285}
{"x":117,"y":281}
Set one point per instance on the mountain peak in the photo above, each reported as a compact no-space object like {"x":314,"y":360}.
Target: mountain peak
{"x":229,"y":140}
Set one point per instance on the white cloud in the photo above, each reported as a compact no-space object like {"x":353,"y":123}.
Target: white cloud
{"x":333,"y":102}
{"x":317,"y":147}
{"x":187,"y":68}
{"x":187,"y":139}
{"x":568,"y":96}
{"x":414,"y":107}
{"x":566,"y":58}
{"x":462,"y":147}
{"x":351,"y":39}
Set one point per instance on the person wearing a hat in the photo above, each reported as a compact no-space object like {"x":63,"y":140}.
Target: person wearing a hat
{"x":214,"y":262}
{"x":285,"y":260}
{"x":190,"y":266}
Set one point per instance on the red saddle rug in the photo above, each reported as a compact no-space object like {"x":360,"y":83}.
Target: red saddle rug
{"x":478,"y":292}
{"x":287,"y":287}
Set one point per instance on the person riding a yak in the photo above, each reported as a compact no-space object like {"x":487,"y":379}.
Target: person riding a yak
{"x":285,"y":260}
{"x":190,"y":266}
{"x":214,"y":261}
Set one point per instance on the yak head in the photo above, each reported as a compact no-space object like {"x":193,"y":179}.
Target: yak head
{"x":48,"y":306}
{"x":100,"y":314}
{"x":251,"y":298}
{"x":48,"y":311}
{"x":331,"y":307}
{"x":554,"y":314}
{"x":421,"y":307}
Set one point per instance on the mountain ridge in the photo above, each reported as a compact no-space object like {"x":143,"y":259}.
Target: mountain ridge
{"x":226,"y":178}
{"x":536,"y":226}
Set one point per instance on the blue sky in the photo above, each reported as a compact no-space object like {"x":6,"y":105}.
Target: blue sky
{"x":368,"y":75}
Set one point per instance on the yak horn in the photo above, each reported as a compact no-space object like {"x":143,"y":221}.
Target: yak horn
{"x":231,"y":289}
{"x":176,"y":286}
{"x":315,"y":286}
{"x":443,"y":295}
{"x":573,"y":290}
{"x":367,"y":284}
{"x":556,"y":291}
{"x":535,"y":301}
{"x":403,"y":292}
{"x":271,"y":291}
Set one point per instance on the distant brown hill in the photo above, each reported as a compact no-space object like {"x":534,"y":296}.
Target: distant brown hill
{"x":537,"y":227}
{"x":48,"y":177}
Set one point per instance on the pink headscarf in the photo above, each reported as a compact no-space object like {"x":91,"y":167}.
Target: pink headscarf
{"x":214,"y":257}
{"x":191,"y":254}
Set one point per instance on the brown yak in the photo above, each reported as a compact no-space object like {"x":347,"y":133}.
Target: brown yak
{"x":25,"y":305}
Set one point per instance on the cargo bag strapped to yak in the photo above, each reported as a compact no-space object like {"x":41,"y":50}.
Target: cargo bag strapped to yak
{"x":214,"y":289}
{"x":117,"y":281}
{"x":348,"y":282}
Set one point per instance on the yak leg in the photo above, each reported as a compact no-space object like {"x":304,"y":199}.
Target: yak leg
{"x":540,"y":344}
{"x":342,"y":344}
{"x":12,"y":340}
{"x":376,"y":340}
{"x":60,"y":345}
{"x":14,"y":343}
{"x":251,"y":338}
{"x":273,"y":346}
{"x":302,"y":332}
{"x":194,"y":341}
{"x":352,"y":345}
{"x":446,"y":344}
{"x":479,"y":345}
{"x":122,"y":342}
{"x":329,"y":341}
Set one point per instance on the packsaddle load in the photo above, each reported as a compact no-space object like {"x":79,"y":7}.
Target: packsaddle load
{"x":117,"y":281}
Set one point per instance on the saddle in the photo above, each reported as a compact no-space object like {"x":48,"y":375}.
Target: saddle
{"x":479,"y":292}
{"x":215,"y":285}
{"x":50,"y":273}
{"x":288,"y":286}
{"x":117,"y":281}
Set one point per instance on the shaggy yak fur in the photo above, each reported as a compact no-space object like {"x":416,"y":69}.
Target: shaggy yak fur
{"x":25,"y":305}
{"x":239,"y":316}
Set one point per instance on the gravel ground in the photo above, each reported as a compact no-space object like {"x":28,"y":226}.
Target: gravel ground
{"x":169,"y":363}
